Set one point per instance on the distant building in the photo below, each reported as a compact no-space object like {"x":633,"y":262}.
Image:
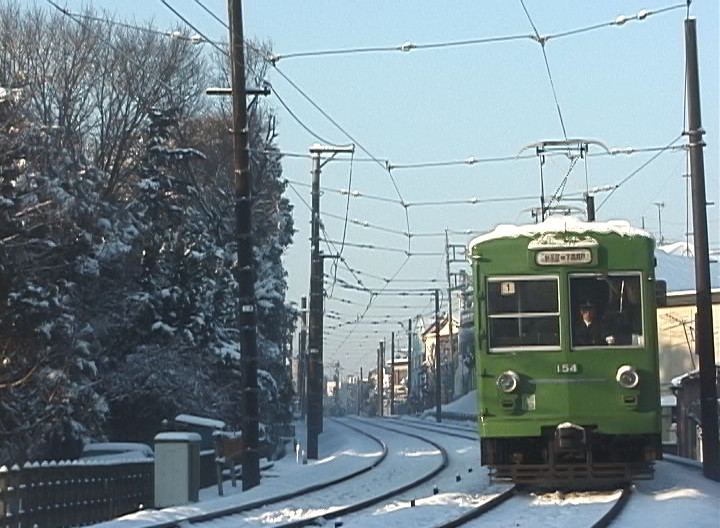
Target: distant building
{"x":688,"y":431}
{"x":676,"y":335}
{"x":447,"y":360}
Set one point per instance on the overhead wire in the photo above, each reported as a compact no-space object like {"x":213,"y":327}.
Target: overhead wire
{"x":542,"y":42}
{"x":636,"y":171}
{"x":621,"y":151}
{"x":326,"y":237}
{"x":76,"y":18}
{"x":388,"y":167}
{"x":410,"y":46}
{"x":257,"y":50}
{"x":327,"y":116}
{"x":348,"y":135}
{"x":345,"y":224}
{"x":195,"y":39}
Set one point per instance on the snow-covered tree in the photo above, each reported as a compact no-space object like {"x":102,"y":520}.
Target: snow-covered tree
{"x":48,"y":402}
{"x":118,"y":302}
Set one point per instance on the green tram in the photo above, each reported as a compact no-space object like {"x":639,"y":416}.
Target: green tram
{"x":566,"y":357}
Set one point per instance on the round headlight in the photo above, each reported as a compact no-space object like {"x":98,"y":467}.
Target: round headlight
{"x":508,"y":381}
{"x":627,"y":377}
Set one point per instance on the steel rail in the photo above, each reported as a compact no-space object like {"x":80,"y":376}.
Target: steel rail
{"x":618,"y":507}
{"x":437,"y":429}
{"x":485,"y":507}
{"x":353,"y":508}
{"x":279,"y":498}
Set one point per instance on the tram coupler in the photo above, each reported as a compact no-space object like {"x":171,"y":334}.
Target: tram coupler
{"x":570,"y":436}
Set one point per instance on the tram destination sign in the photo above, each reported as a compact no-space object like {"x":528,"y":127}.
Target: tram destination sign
{"x":563,"y":257}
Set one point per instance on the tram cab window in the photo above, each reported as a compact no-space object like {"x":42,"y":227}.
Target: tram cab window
{"x":523,"y":312}
{"x":606,"y":310}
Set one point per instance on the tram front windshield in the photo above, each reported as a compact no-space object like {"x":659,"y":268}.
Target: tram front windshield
{"x":606,"y":310}
{"x":523,"y":312}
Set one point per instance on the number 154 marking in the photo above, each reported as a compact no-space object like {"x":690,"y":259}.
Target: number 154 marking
{"x":567,"y":368}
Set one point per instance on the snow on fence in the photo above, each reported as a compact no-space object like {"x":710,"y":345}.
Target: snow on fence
{"x":72,"y":493}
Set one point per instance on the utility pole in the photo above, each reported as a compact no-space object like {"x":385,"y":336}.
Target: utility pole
{"x":409,"y":377}
{"x":452,"y":248}
{"x":660,"y":205}
{"x":704,"y":345}
{"x":382,"y":378}
{"x":392,"y":374}
{"x":378,"y":382}
{"x":337,"y":383}
{"x":302,"y":363}
{"x":450,"y":329}
{"x":438,"y":410}
{"x":317,"y":261}
{"x":245,"y":274}
{"x":360,"y":392}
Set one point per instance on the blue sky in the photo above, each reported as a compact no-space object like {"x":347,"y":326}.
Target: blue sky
{"x":622,"y":85}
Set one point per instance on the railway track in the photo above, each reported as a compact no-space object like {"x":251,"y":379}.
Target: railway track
{"x":226,"y":512}
{"x":511,"y":508}
{"x":251,"y":514}
{"x":501,"y":498}
{"x":462,"y":432}
{"x":497,"y":507}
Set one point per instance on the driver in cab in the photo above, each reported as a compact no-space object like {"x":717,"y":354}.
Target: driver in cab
{"x":588,"y":330}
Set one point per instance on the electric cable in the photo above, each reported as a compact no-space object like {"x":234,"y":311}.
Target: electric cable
{"x":542,"y":42}
{"x":636,"y":171}
{"x":410,"y":46}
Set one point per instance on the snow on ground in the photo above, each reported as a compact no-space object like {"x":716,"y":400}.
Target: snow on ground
{"x":466,"y":404}
{"x":342,"y":451}
{"x":678,"y":495}
{"x":453,"y":499}
{"x":407,"y":460}
{"x":464,"y":407}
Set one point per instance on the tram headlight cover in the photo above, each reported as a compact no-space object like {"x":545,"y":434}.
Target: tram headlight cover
{"x":627,"y":377}
{"x":508,"y":381}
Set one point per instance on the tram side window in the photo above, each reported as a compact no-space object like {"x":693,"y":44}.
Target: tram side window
{"x":523,"y":312}
{"x":606,"y":310}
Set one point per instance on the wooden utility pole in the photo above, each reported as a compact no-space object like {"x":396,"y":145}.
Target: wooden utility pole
{"x":704,"y":345}
{"x":245,"y":274}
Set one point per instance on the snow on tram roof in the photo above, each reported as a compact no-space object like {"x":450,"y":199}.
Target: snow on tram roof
{"x":566,"y":224}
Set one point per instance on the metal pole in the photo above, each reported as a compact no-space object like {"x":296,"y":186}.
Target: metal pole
{"x":316,"y":380}
{"x":438,"y":409}
{"x":409,"y":378}
{"x":245,"y":271}
{"x":302,"y":367}
{"x":315,"y":373}
{"x":392,"y":374}
{"x":360,"y":392}
{"x":378,"y":403}
{"x":704,"y":345}
{"x":382,"y":377}
{"x":450,"y":320}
